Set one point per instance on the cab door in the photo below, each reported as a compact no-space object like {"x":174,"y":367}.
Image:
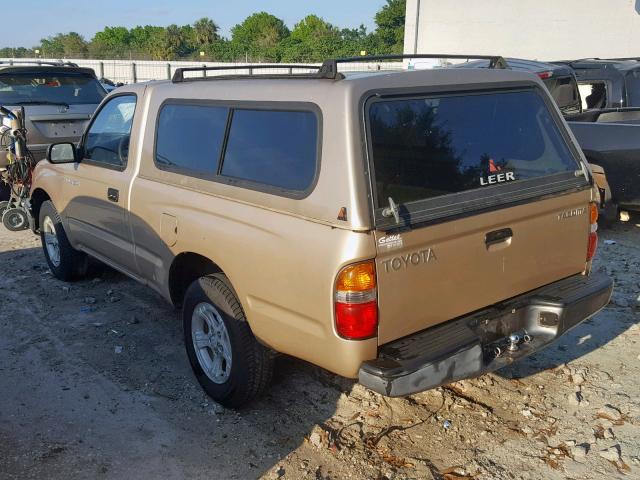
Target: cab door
{"x":98,"y":189}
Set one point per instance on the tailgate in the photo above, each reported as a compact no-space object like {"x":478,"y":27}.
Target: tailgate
{"x":444,"y":271}
{"x":479,"y":197}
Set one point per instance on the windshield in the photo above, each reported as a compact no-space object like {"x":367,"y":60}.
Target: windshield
{"x":426,"y":147}
{"x":65,"y":88}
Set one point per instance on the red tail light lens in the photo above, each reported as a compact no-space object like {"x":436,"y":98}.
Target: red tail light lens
{"x":592,"y":245}
{"x":356,"y":305}
{"x":545,"y":75}
{"x":357,"y":321}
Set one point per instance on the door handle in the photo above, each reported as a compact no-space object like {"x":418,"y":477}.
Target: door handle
{"x":498,"y":238}
{"x":113,"y":195}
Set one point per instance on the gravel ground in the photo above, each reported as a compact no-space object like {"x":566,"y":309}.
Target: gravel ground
{"x":95,"y":383}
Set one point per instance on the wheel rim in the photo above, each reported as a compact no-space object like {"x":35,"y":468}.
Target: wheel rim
{"x":51,"y":241}
{"x":13,"y":220}
{"x":211,"y":342}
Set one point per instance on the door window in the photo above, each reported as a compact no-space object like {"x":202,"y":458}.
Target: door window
{"x":107,"y":141}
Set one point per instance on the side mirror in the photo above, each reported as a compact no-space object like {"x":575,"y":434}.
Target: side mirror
{"x":62,"y":153}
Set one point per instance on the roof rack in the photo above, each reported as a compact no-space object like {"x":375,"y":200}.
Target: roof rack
{"x":328,"y":69}
{"x":179,"y":77}
{"x":38,"y":62}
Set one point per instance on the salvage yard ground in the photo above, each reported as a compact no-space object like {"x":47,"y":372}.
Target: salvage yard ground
{"x":95,"y":383}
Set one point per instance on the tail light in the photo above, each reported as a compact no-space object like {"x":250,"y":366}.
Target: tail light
{"x":592,"y":244}
{"x":545,"y":75}
{"x":356,"y":304}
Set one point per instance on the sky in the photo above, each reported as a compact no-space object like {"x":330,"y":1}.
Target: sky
{"x":32,"y":20}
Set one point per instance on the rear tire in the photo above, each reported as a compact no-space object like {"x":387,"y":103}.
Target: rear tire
{"x":232,"y":367}
{"x":65,"y":262}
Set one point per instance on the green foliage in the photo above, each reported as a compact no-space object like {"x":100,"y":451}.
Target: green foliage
{"x":64,"y":45}
{"x":390,"y":22}
{"x":112,"y":42}
{"x":205,"y":32}
{"x":260,"y":37}
{"x":18,"y":52}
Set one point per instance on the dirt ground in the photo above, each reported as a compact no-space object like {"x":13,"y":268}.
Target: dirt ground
{"x":95,"y":383}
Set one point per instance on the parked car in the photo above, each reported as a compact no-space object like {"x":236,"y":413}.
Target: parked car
{"x":611,"y":150}
{"x":607,"y":83}
{"x":560,"y":80}
{"x":58,"y":100}
{"x":408,"y":229}
{"x":610,"y":138}
{"x":109,"y":85}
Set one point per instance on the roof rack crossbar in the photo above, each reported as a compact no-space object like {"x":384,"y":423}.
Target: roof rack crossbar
{"x":330,"y":67}
{"x":179,"y":77}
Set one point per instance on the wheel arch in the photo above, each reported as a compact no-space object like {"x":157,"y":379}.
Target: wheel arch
{"x":185,"y":268}
{"x":38,"y":197}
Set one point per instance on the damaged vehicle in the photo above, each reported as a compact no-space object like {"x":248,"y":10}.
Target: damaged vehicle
{"x":610,"y":140}
{"x":607,"y":83}
{"x":58,"y":100}
{"x":611,"y":150}
{"x":560,"y":80}
{"x":406,"y":229}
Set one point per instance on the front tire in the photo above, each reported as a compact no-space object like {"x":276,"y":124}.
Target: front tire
{"x":65,"y":262}
{"x":232,"y":367}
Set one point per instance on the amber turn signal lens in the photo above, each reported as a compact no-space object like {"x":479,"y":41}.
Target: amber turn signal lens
{"x":593,"y":213}
{"x":358,"y":277}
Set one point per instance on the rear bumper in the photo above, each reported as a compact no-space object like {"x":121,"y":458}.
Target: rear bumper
{"x":479,"y":343}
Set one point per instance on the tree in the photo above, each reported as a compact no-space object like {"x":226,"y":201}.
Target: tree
{"x":64,"y":45}
{"x":205,"y":32}
{"x":390,"y":21}
{"x":312,"y":26}
{"x":175,"y":42}
{"x":259,"y":36}
{"x":311,"y":40}
{"x":111,"y":42}
{"x":16,"y":52}
{"x":147,"y":41}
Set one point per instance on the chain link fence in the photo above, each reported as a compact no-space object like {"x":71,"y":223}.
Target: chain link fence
{"x":132,"y":71}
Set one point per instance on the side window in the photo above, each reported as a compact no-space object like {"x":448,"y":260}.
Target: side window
{"x":594,"y":94}
{"x":190,"y":137}
{"x":275,"y":148}
{"x":107,"y":140}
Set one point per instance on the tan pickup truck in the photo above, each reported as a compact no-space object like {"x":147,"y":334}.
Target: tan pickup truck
{"x":408,"y":229}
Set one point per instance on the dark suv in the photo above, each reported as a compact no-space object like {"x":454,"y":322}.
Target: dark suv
{"x":58,"y":100}
{"x":559,"y":80}
{"x":607,"y":83}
